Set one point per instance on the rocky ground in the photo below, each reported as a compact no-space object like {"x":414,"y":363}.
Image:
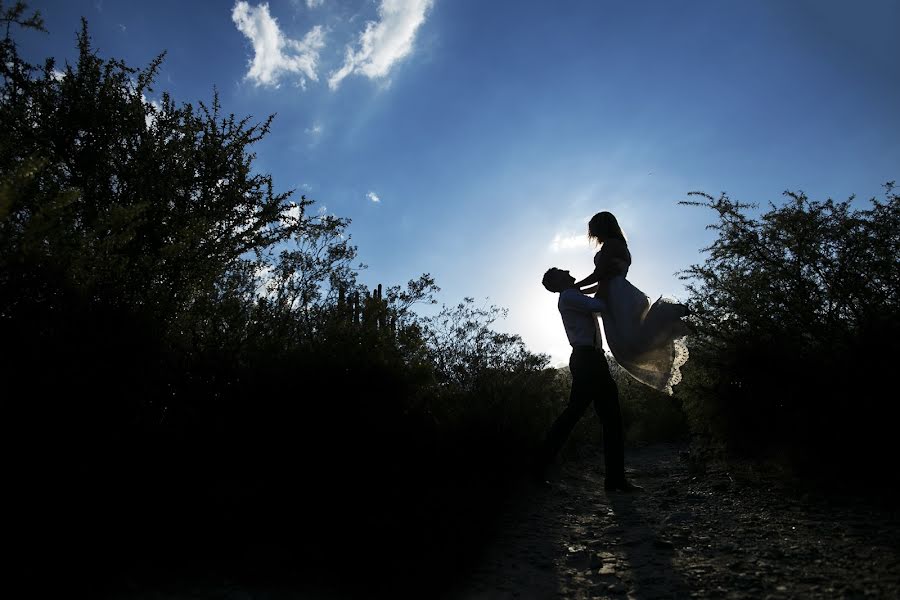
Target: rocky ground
{"x":696,"y":531}
{"x":711,"y":532}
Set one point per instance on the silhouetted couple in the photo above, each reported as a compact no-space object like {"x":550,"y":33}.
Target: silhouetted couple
{"x":647,"y":341}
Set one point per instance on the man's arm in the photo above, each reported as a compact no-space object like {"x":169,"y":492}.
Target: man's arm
{"x":592,"y":278}
{"x":577,"y":301}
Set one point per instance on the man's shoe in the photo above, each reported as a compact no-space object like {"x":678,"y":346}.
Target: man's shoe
{"x":622,"y":486}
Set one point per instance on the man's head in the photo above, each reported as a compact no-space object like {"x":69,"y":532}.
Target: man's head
{"x":557,"y":280}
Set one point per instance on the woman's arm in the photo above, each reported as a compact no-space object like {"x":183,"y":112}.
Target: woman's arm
{"x":592,"y":278}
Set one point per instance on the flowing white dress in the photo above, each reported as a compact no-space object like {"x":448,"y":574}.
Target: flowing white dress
{"x":648,"y":341}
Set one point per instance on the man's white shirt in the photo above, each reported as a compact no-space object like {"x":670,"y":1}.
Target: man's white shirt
{"x":577,"y":311}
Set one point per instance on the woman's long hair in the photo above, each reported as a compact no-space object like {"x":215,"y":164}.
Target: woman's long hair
{"x":605,"y":225}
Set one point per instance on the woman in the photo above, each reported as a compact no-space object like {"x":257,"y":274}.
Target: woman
{"x":647,"y":341}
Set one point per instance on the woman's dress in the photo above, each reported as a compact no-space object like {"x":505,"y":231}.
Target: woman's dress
{"x":648,"y":341}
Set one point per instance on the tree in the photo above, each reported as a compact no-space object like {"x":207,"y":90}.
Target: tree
{"x":466,"y":348}
{"x":143,"y":205}
{"x":141,"y":255}
{"x":791,"y":309}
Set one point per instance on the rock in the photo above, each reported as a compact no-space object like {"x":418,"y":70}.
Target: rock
{"x":686,"y":539}
{"x":607,"y":570}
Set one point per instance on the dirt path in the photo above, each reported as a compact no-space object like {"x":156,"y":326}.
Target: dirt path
{"x":715,"y":534}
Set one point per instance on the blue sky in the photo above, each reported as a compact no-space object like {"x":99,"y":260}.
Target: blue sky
{"x":473,"y":139}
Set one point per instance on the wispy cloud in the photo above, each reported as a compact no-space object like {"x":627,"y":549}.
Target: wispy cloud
{"x":314,"y":130}
{"x":265,"y":281}
{"x":569,"y":241}
{"x":314,"y":134}
{"x":373,"y":197}
{"x":310,"y":4}
{"x":154,"y":106}
{"x":292,"y":213}
{"x":384,"y":42}
{"x":274,"y":54}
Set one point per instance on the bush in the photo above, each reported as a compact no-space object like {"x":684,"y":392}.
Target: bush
{"x":797,"y":315}
{"x":196,"y":380}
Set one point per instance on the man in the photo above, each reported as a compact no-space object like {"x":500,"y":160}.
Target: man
{"x":591,"y":382}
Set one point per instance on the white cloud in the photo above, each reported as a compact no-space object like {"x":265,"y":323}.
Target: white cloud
{"x":265,"y":281}
{"x":292,"y":213}
{"x":314,"y":134}
{"x":314,"y":130}
{"x":562,"y":242}
{"x":310,"y":4}
{"x":156,"y":106}
{"x":274,"y":55}
{"x":373,"y":197}
{"x":381,"y":44}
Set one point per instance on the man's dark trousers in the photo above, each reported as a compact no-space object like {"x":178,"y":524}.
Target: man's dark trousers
{"x":591,"y":382}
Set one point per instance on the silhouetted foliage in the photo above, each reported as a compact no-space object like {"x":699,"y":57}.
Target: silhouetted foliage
{"x":191,"y":350}
{"x":149,"y":214}
{"x":797,"y":314}
{"x":648,"y":415}
{"x":489,"y":385}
